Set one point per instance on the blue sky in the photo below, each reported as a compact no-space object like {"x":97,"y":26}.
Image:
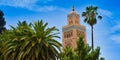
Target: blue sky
{"x":106,"y":31}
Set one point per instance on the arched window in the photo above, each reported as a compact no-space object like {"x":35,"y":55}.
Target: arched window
{"x":80,"y":33}
{"x":68,"y":34}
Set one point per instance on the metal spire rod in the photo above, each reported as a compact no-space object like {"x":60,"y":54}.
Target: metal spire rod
{"x":73,"y":8}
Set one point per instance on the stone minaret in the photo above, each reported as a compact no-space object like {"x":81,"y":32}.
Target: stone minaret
{"x":73,"y":29}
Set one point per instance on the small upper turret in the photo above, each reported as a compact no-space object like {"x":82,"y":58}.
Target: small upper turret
{"x":73,"y":18}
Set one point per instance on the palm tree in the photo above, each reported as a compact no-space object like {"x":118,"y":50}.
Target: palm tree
{"x":32,"y":41}
{"x":5,"y":39}
{"x":91,"y":17}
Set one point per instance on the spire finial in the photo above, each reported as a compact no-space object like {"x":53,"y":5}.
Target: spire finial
{"x":73,"y":8}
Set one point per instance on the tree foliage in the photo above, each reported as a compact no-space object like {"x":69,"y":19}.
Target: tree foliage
{"x":90,"y":17}
{"x":82,"y":52}
{"x":32,"y":41}
{"x":67,"y":54}
{"x":2,"y":22}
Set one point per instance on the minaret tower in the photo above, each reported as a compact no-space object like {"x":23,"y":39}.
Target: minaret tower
{"x":73,"y":29}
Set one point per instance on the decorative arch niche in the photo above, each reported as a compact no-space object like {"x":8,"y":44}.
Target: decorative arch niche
{"x":80,"y":33}
{"x":68,"y":34}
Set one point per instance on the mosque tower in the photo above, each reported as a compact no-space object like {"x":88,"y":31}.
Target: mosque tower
{"x":73,"y":29}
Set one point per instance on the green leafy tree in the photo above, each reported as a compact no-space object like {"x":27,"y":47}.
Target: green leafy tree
{"x":90,"y":17}
{"x":2,"y":22}
{"x":32,"y":41}
{"x":102,"y":58}
{"x":82,"y":52}
{"x":67,"y":54}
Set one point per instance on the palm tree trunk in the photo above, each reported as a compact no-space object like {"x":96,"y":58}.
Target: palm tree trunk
{"x":92,"y":41}
{"x":92,"y":38}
